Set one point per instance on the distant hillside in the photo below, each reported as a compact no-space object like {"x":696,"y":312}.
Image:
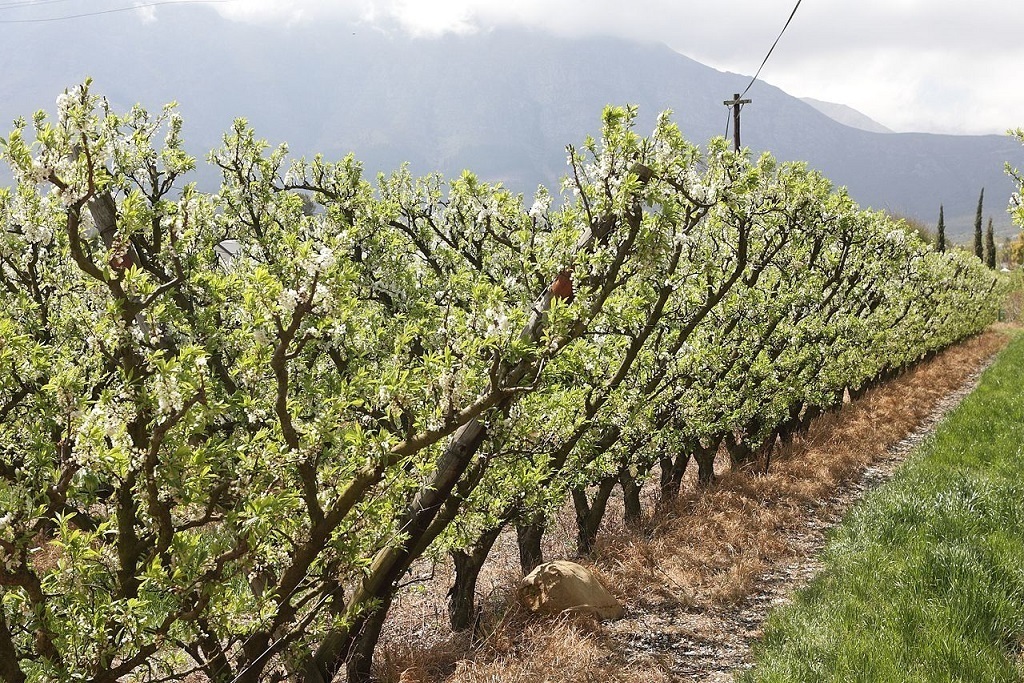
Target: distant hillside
{"x":848,"y":116}
{"x":502,"y":103}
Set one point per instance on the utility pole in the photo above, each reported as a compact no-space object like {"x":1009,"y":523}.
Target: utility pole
{"x":736,"y":105}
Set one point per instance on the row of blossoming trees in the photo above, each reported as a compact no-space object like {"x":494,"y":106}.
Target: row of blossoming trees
{"x":229,"y":424}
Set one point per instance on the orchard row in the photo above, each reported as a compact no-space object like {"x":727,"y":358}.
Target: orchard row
{"x":230,"y":422}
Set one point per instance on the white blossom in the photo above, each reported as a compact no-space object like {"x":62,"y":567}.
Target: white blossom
{"x":288,"y":299}
{"x":498,"y":321}
{"x":168,"y":394}
{"x":64,"y":103}
{"x":325,"y":259}
{"x":319,"y":262}
{"x":36,"y":233}
{"x":540,"y":205}
{"x":38,"y":173}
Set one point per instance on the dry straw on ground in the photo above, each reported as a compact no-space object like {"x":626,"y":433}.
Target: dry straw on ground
{"x":697,"y":579}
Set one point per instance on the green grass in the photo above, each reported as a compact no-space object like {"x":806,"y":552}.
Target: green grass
{"x":924,"y":581}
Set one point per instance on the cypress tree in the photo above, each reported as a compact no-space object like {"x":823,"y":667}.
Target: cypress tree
{"x":978,"y":251}
{"x":990,"y":246}
{"x":940,"y":233}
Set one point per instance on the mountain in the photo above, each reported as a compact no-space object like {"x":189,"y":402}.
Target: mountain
{"x":848,"y":116}
{"x":502,"y":103}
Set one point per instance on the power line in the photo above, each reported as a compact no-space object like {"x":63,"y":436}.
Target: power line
{"x":99,"y":12}
{"x":737,"y":101}
{"x":24,"y":4}
{"x":772,"y":48}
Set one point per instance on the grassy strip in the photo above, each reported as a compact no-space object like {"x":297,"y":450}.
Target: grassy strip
{"x":925,"y":579}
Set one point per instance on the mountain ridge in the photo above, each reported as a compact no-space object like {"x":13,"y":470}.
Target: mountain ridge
{"x":503,"y":103}
{"x":847,"y":115}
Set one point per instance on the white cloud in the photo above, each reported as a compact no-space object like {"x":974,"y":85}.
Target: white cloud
{"x":146,"y":13}
{"x":278,"y":12}
{"x":428,"y":18}
{"x":934,"y":65}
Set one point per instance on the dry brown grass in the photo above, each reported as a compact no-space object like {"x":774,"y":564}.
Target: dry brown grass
{"x":571,"y":652}
{"x":725,"y":537}
{"x":707,"y":552}
{"x":46,"y":553}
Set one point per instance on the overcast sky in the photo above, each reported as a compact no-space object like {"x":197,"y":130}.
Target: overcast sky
{"x":943,"y":66}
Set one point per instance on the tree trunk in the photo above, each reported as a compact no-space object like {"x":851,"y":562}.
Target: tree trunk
{"x":791,"y":426}
{"x":529,"y":537}
{"x":462,"y":612}
{"x":741,"y":453}
{"x":786,"y":433}
{"x":10,"y":672}
{"x":666,"y":493}
{"x":705,"y":457}
{"x":360,"y":654}
{"x":672,"y":471}
{"x":633,"y":513}
{"x":350,"y":642}
{"x":810,"y":414}
{"x":767,"y":448}
{"x":589,"y":516}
